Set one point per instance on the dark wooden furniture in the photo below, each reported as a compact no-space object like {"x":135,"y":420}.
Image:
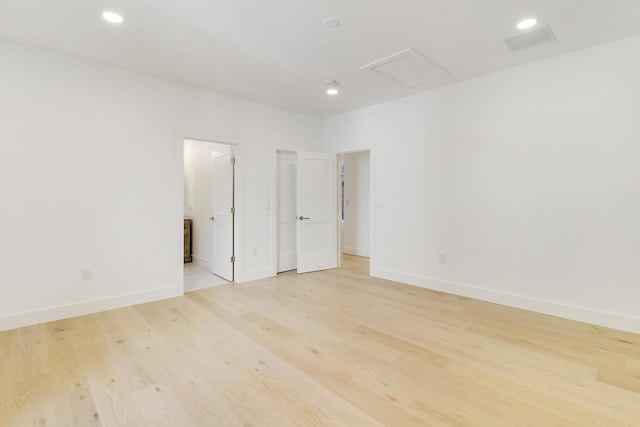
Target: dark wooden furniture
{"x":187,"y":240}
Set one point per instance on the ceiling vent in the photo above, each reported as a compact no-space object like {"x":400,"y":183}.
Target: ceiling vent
{"x":407,"y":68}
{"x":530,"y":39}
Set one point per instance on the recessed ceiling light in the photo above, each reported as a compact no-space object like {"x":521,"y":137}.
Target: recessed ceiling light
{"x":113,"y":17}
{"x":527,"y":23}
{"x":331,"y":87}
{"x":331,"y":23}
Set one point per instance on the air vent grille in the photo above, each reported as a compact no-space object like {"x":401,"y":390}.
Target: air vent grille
{"x":530,"y":39}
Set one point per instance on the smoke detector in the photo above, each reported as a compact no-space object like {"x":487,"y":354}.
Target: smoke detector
{"x":331,"y":22}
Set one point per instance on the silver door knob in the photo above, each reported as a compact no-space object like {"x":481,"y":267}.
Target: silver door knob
{"x":211,"y":218}
{"x":303,"y":217}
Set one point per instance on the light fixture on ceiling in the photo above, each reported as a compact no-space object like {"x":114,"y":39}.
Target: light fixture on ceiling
{"x":331,"y":87}
{"x":527,"y":23}
{"x":113,"y":17}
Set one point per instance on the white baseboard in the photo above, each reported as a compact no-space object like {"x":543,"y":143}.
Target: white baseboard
{"x":250,"y":276}
{"x":201,"y":262}
{"x":51,"y":314}
{"x":355,"y":251}
{"x":580,"y":314}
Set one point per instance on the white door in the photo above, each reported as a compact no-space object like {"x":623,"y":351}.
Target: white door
{"x":287,"y":217}
{"x":317,"y":212}
{"x":222,"y":263}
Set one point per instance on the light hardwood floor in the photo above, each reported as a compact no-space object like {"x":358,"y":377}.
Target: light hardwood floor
{"x":334,"y":348}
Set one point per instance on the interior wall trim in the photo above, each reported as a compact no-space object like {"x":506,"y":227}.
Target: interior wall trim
{"x":581,"y":314}
{"x":355,"y":251}
{"x":50,"y":314}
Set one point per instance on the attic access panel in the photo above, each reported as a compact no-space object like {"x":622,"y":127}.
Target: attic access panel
{"x":407,"y":68}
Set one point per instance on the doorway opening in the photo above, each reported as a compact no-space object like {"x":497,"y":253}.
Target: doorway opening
{"x":209,"y":214}
{"x":355,"y":203}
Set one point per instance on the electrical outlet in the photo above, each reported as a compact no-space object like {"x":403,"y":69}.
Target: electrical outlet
{"x":442,"y":258}
{"x":255,"y":251}
{"x":86,"y":274}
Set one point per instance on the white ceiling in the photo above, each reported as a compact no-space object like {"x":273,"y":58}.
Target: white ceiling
{"x":278,"y":52}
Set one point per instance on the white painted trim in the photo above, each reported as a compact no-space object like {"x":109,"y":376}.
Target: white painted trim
{"x":201,"y":262}
{"x":340,"y":223}
{"x":250,"y":276}
{"x":275,"y":210}
{"x":355,"y":251}
{"x":51,"y":314}
{"x":372,"y":201}
{"x":237,"y":150}
{"x":553,"y":308}
{"x":372,"y":210}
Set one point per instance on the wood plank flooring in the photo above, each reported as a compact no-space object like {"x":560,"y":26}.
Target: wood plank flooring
{"x":333,"y":348}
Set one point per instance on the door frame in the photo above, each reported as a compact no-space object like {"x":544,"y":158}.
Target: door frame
{"x":231,"y":158}
{"x":372,"y":204}
{"x":238,"y":196}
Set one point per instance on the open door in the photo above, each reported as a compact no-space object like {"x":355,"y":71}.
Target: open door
{"x":223,"y":212}
{"x":317,"y":213}
{"x":287,"y":211}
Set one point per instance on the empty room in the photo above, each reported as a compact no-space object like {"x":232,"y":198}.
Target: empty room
{"x":320,"y":213}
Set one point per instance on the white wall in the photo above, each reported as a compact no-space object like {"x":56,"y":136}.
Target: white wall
{"x":91,"y":176}
{"x":198,"y":196}
{"x":355,"y":228}
{"x":526,"y":180}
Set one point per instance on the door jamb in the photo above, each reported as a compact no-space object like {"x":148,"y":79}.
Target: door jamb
{"x":372,"y":204}
{"x":235,"y":150}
